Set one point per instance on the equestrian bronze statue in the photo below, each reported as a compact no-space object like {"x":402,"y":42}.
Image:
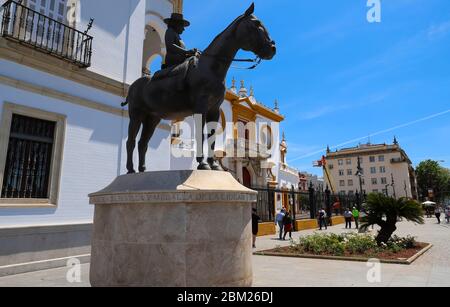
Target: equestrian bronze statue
{"x":196,"y":86}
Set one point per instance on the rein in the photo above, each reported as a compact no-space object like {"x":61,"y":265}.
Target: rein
{"x":256,"y":61}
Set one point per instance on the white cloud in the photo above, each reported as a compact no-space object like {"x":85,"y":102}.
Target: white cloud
{"x":438,"y":30}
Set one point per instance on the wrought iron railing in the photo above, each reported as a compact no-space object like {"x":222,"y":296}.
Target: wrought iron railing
{"x":31,"y":28}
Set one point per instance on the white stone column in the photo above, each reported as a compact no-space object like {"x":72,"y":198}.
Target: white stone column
{"x":174,"y":228}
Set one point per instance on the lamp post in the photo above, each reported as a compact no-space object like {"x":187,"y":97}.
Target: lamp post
{"x":386,"y":189}
{"x":312,"y":203}
{"x":328,"y":204}
{"x":359,"y":173}
{"x":393,"y":185}
{"x":406,"y":189}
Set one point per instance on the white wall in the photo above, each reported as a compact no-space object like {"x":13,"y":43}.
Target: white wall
{"x":90,"y":160}
{"x":95,"y":142}
{"x":94,"y":150}
{"x":113,"y":30}
{"x":94,"y":154}
{"x":37,"y":77}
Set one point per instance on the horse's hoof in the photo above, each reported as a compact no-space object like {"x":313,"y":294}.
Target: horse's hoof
{"x":131,"y":172}
{"x":216,"y":167}
{"x":142,"y":169}
{"x":203,"y":166}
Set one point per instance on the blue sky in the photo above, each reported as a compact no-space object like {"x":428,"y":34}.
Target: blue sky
{"x":339,"y":79}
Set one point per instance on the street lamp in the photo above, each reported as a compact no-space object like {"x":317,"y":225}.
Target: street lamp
{"x":359,"y":173}
{"x":386,"y":189}
{"x":393,"y":185}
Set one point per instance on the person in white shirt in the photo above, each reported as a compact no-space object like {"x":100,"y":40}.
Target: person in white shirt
{"x":279,"y":220}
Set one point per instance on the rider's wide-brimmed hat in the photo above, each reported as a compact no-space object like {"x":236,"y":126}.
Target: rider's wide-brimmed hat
{"x":176,"y":17}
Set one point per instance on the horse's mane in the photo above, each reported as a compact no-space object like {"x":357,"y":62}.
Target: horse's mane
{"x":226,"y":29}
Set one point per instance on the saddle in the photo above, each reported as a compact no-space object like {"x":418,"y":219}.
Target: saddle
{"x":179,"y":72}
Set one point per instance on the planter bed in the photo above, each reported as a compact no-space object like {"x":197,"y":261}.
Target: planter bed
{"x":406,"y":256}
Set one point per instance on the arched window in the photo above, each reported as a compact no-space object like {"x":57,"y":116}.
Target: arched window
{"x":152,"y":56}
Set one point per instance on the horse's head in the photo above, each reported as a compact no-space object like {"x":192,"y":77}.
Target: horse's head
{"x":254,"y":37}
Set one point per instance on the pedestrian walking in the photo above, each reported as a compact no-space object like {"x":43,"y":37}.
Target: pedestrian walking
{"x":322,"y":219}
{"x":447,"y":214}
{"x":287,"y":222}
{"x":355,"y":213}
{"x":437,"y":213}
{"x":255,"y":225}
{"x":279,"y":220}
{"x":348,"y":218}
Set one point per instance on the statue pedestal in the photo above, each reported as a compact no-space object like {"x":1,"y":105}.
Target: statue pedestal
{"x":172,"y":229}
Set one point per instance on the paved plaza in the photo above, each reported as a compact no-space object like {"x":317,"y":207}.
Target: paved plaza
{"x":431,"y":269}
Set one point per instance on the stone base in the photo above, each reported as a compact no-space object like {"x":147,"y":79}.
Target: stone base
{"x":173,"y":229}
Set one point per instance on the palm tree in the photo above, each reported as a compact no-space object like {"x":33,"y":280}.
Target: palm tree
{"x":385,"y":211}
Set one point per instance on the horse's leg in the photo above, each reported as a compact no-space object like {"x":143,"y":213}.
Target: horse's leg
{"x":202,"y":165}
{"x":149,"y":125}
{"x":212,"y":118}
{"x":133,"y":129}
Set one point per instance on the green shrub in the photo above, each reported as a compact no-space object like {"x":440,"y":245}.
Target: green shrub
{"x":321,"y":244}
{"x":359,"y":244}
{"x":353,"y":243}
{"x":394,"y":247}
{"x":408,"y":242}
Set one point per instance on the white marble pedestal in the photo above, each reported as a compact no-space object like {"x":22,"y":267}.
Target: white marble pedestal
{"x":174,"y":229}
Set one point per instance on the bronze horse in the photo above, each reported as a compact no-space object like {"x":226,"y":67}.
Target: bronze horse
{"x":203,"y":91}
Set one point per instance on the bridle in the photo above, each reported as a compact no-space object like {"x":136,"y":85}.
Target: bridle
{"x":256,"y":61}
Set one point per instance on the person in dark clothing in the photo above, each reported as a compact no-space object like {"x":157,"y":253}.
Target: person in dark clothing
{"x":322,"y":217}
{"x":348,"y":218}
{"x":176,"y":50}
{"x":255,"y":224}
{"x":437,"y":213}
{"x":287,"y":223}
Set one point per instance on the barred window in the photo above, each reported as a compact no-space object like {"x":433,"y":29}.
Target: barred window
{"x":29,"y":157}
{"x":31,"y":151}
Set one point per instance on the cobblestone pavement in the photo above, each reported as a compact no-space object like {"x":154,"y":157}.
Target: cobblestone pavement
{"x":431,"y":269}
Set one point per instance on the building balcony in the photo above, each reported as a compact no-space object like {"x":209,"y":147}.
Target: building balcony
{"x":398,"y":160}
{"x":31,"y":28}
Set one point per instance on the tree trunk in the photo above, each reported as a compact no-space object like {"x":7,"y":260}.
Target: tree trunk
{"x":385,"y":233}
